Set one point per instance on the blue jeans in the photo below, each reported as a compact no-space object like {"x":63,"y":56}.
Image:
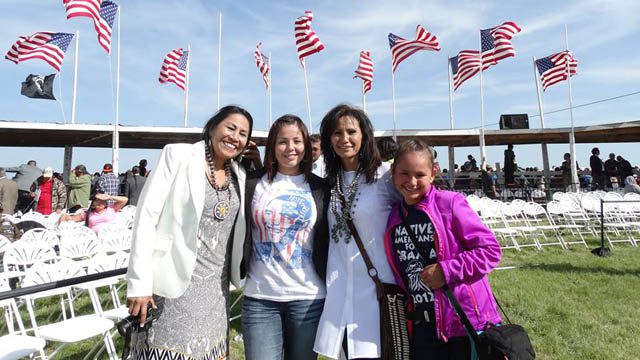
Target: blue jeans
{"x":269,"y":327}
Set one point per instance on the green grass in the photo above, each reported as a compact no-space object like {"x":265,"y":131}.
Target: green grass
{"x":573,"y":304}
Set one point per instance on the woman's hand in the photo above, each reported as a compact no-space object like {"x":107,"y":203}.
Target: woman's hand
{"x":103,"y":197}
{"x":138,"y":306}
{"x":433,"y":276}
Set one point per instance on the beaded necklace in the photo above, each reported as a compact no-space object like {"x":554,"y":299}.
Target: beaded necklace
{"x":346,"y":200}
{"x":221,"y":207}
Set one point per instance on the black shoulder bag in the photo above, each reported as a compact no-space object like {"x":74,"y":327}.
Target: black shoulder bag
{"x":394,"y":333}
{"x":496,"y":342}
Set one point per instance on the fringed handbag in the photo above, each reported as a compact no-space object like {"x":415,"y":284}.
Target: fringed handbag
{"x":394,"y":333}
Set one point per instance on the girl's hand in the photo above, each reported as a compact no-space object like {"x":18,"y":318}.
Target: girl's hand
{"x":138,"y":306}
{"x":433,"y":276}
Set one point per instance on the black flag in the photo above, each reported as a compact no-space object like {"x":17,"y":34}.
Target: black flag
{"x":38,"y":87}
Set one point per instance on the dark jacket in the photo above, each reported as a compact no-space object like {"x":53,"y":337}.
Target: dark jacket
{"x":320,"y":192}
{"x":597,"y":167}
{"x":132,"y":188}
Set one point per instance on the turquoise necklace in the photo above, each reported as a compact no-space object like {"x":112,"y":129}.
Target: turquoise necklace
{"x":340,"y":229}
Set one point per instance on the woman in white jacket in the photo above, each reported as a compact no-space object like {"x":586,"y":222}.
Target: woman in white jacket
{"x":187,"y":243}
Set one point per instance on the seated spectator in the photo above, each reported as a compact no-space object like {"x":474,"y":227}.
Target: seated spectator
{"x":99,"y":213}
{"x":630,"y":185}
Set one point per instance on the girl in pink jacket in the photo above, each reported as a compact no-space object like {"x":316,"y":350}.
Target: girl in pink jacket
{"x":450,"y":246}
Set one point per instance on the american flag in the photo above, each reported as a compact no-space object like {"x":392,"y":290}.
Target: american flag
{"x":174,"y":68}
{"x":365,"y":71}
{"x":496,"y":43}
{"x":307,"y":41}
{"x":553,"y":68}
{"x":44,"y":45}
{"x":402,"y":49}
{"x":464,"y":66}
{"x":262,"y":62}
{"x":102,"y":12}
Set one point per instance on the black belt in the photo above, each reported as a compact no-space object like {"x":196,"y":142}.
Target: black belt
{"x":428,"y":316}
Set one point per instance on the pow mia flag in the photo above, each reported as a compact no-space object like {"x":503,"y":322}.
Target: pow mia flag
{"x":38,"y":87}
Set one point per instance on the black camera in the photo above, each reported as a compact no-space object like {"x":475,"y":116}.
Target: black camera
{"x":126,"y":325}
{"x":130,"y":324}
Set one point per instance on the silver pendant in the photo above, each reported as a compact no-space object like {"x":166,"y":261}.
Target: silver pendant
{"x":221,"y":209}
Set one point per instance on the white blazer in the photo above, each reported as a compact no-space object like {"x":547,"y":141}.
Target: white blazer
{"x":164,"y":242}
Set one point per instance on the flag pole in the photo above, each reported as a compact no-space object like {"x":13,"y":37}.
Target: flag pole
{"x":572,"y":136}
{"x":219,"y":56}
{"x":393,"y":101}
{"x":186,"y":88}
{"x":482,"y":147}
{"x":545,"y":152}
{"x":75,"y":80}
{"x":451,"y":149}
{"x":270,"y":120}
{"x":59,"y":100}
{"x":364,"y":100}
{"x":115,"y":155}
{"x":306,"y":92}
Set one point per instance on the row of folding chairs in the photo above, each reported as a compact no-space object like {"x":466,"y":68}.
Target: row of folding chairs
{"x":520,"y":224}
{"x":77,"y":242}
{"x":124,"y":217}
{"x":69,"y":327}
{"x":574,"y":214}
{"x":620,"y":220}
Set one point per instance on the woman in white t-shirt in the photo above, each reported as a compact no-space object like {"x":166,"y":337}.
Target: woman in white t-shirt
{"x":285,"y":253}
{"x":350,"y":320}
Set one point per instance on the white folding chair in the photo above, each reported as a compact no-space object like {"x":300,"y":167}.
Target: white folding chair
{"x":79,"y":243}
{"x":495,"y":220}
{"x":114,"y":237}
{"x":33,"y":216}
{"x":71,"y":328}
{"x":537,"y":216}
{"x":515,"y":221}
{"x":16,"y":344}
{"x":42,"y":235}
{"x":556,"y":216}
{"x":20,"y":255}
{"x":101,"y":263}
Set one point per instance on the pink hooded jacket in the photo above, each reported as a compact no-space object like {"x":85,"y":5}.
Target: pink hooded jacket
{"x":467,"y":251}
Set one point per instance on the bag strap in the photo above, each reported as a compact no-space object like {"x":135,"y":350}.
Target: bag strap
{"x":371,"y":270}
{"x":463,"y":316}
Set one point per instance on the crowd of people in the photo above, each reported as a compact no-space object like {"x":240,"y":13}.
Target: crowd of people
{"x":34,"y":189}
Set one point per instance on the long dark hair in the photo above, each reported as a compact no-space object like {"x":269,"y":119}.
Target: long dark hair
{"x":271,"y":165}
{"x":222,"y":114}
{"x":368,"y":154}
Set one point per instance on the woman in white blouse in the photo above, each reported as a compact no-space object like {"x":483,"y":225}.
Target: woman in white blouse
{"x":350,"y":319}
{"x":285,"y":252}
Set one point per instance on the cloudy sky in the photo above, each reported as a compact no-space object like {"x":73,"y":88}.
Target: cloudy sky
{"x":604,"y":36}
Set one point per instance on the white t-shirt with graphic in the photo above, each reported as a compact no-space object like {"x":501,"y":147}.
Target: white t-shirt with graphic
{"x":281,"y":267}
